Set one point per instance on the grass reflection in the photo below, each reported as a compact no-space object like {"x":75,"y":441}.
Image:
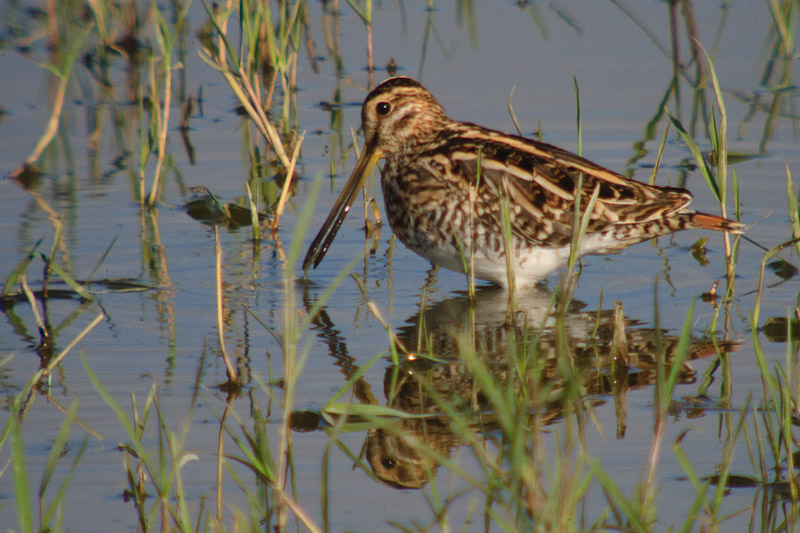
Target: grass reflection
{"x":483,"y":401}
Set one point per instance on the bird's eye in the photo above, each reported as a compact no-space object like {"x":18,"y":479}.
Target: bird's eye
{"x":383,"y":108}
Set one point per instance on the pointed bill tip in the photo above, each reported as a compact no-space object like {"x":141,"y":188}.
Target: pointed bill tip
{"x":321,"y":243}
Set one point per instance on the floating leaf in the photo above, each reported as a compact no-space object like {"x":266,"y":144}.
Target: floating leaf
{"x":206,"y":208}
{"x":783,"y":269}
{"x":120,"y":285}
{"x":305,"y":420}
{"x":777,"y":329}
{"x":698,"y":250}
{"x":735,"y":481}
{"x":734,"y":157}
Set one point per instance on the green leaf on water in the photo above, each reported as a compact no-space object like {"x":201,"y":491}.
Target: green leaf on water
{"x":698,"y":250}
{"x":783,"y":269}
{"x":778,"y":329}
{"x":368,"y":411}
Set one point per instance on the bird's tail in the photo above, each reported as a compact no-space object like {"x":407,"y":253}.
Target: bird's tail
{"x":626,"y":234}
{"x":714,"y":222}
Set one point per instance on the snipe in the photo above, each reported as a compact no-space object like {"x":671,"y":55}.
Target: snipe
{"x":445,"y":184}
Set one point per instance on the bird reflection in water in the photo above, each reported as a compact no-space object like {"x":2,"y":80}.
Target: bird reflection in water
{"x":606,"y":355}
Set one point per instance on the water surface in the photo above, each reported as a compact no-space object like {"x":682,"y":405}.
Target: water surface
{"x":165,"y":334}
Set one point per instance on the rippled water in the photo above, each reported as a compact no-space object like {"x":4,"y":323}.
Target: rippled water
{"x":162,"y":328}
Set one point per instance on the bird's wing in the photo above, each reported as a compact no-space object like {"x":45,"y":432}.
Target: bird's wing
{"x":540,"y":182}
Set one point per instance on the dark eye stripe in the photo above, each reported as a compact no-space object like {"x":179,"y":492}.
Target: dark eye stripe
{"x":404,"y":121}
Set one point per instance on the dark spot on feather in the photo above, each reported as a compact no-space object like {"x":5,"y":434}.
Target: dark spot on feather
{"x":606,"y":191}
{"x":566,"y":184}
{"x":526,"y":164}
{"x":500,"y":153}
{"x":626,"y":194}
{"x":458,"y":168}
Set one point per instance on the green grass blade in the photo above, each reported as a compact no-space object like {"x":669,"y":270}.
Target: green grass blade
{"x":721,"y":144}
{"x":354,"y":378}
{"x":680,"y":353}
{"x":58,"y":447}
{"x":700,"y":488}
{"x":21,"y":495}
{"x":127,"y":424}
{"x":367,"y":410}
{"x":104,"y":256}
{"x":62,"y":491}
{"x":705,"y":170}
{"x":68,"y":279}
{"x":19,"y":270}
{"x":628,"y":510}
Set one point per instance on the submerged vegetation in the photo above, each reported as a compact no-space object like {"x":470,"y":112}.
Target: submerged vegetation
{"x":488,"y":395}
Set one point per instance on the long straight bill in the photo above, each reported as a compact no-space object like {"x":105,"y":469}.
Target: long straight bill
{"x":369,"y":157}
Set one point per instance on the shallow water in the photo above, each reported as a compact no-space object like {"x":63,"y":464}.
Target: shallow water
{"x":165,"y":334}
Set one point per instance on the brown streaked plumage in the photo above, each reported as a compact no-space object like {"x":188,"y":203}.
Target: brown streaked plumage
{"x":441,"y":207}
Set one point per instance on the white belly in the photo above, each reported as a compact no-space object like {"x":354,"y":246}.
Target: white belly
{"x":531,"y":264}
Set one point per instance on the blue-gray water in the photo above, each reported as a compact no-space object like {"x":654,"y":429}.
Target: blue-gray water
{"x":165,"y":334}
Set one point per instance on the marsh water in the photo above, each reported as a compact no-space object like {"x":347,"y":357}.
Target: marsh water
{"x":151,"y":271}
